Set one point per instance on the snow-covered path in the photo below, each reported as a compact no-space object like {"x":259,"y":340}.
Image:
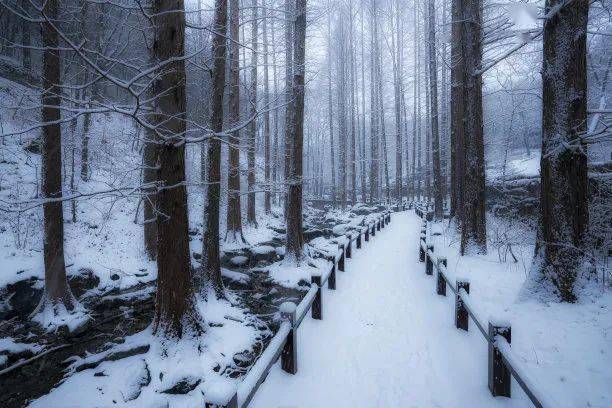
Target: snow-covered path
{"x":386,"y":339}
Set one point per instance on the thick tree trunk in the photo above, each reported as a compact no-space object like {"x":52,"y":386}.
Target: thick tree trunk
{"x":473,"y":223}
{"x":457,"y":108}
{"x":211,"y":264}
{"x":234,"y":216}
{"x":266,"y":103}
{"x":563,"y":198}
{"x":433,"y":83}
{"x":342,"y":125}
{"x":251,"y":218}
{"x":57,"y":293}
{"x":295,"y":238}
{"x":175,"y":315}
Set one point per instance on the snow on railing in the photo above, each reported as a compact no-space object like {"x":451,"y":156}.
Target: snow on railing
{"x":284,"y":342}
{"x":503,"y":364}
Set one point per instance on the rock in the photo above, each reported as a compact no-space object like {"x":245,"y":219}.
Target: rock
{"x":239,"y":260}
{"x":183,"y":386}
{"x":197,"y":256}
{"x":115,"y":277}
{"x":313,"y":233}
{"x":82,"y":282}
{"x":244,"y":359}
{"x":22,"y":297}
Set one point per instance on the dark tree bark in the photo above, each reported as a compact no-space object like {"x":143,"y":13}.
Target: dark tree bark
{"x":353,"y":144}
{"x":330,"y":108}
{"x":266,"y":103}
{"x":457,"y":108}
{"x":275,"y":151}
{"x":397,"y":103}
{"x":251,"y":218}
{"x":149,"y":179}
{"x":287,"y":137}
{"x":211,"y":264}
{"x":433,"y":84}
{"x":471,"y":152}
{"x":563,"y":198}
{"x":363,"y":110}
{"x":234,"y":216}
{"x":175,"y":315}
{"x":342,"y":125}
{"x":57,"y":293}
{"x":295,"y":238}
{"x":374,"y":156}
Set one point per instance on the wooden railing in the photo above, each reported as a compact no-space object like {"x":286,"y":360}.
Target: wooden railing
{"x":284,"y":342}
{"x":503,"y":364}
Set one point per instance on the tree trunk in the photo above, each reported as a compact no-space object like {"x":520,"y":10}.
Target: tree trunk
{"x":330,"y":109}
{"x":149,"y":179}
{"x":374,"y":159}
{"x":287,"y":139}
{"x":234,"y":216}
{"x":211,"y":264}
{"x":397,"y":104}
{"x":342,"y":125}
{"x":473,"y":223}
{"x":295,"y":238}
{"x":266,"y":103}
{"x":563,"y":197}
{"x":433,"y":84}
{"x":174,"y":306}
{"x":363,"y":111}
{"x":275,"y":159}
{"x":353,"y":146}
{"x":57,"y":293}
{"x":251,"y":218}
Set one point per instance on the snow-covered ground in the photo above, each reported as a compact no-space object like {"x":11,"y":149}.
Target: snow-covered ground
{"x":387,"y":340}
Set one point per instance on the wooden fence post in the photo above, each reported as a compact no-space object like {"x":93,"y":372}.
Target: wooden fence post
{"x":383,"y":221}
{"x":378,"y":224}
{"x":461,"y":314}
{"x":422,"y":244}
{"x":232,"y":403}
{"x":331,"y":281}
{"x":367,"y":233}
{"x":429,"y":260}
{"x":317,"y":304}
{"x":374,"y":229}
{"x":358,"y":240}
{"x":341,"y":260}
{"x":441,"y":283}
{"x":349,"y":246}
{"x":499,"y":375}
{"x":289,"y":353}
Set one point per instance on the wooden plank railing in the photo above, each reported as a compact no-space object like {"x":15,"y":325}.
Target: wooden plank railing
{"x":502,"y":363}
{"x":284,"y":343}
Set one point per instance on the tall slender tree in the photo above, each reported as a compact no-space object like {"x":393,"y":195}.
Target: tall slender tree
{"x":211,"y":265}
{"x":266,"y":119}
{"x":57,"y":295}
{"x":251,"y":217}
{"x":435,"y":138}
{"x":234,"y":211}
{"x":295,"y":237}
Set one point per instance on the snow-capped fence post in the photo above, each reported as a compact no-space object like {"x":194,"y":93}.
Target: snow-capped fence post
{"x":383,"y":221}
{"x":499,"y":375}
{"x":349,"y":246}
{"x":441,"y":283}
{"x":378,"y":224}
{"x":367,"y":234}
{"x":331,"y":281}
{"x":429,"y":263}
{"x":289,"y":353}
{"x":422,"y":244}
{"x":317,"y":304}
{"x":461,"y":313}
{"x":233,"y":402}
{"x":358,"y":241}
{"x":341,"y":260}
{"x":374,"y":228}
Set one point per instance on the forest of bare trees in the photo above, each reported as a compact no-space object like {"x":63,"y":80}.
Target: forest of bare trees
{"x":236,"y":124}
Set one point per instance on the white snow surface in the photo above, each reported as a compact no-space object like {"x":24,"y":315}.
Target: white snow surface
{"x":387,"y":340}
